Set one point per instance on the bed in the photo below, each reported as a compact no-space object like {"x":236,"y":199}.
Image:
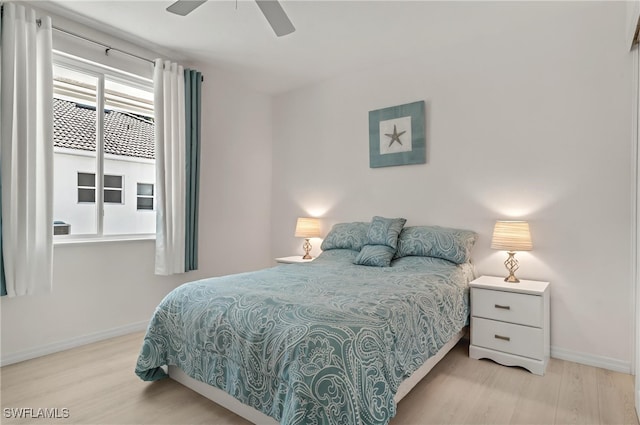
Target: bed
{"x":323,"y":342}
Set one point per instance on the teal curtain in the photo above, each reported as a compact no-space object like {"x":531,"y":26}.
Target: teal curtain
{"x":192,"y":89}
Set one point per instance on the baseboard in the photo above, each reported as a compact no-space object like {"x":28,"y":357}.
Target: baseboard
{"x":72,"y":343}
{"x":637,"y":401}
{"x":591,"y":360}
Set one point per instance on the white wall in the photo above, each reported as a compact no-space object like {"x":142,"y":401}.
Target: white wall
{"x":104,"y":289}
{"x":636,"y":147}
{"x":119,"y":219}
{"x":528,"y":116}
{"x":235,"y":186}
{"x":633,"y":13}
{"x":125,"y":217}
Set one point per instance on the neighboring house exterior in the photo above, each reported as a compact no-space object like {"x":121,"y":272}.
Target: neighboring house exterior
{"x":129,"y":169}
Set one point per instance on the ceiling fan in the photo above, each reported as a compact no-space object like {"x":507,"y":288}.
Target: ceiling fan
{"x":271,"y":9}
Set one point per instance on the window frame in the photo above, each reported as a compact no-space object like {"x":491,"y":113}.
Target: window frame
{"x":101,"y":73}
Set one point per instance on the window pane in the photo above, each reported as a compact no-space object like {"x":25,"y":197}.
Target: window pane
{"x":123,"y":97}
{"x":113,"y":181}
{"x":145,"y":203}
{"x":129,"y":154}
{"x":86,"y":179}
{"x":86,"y":195}
{"x":74,"y":149}
{"x":113,"y":196}
{"x":145,"y":189}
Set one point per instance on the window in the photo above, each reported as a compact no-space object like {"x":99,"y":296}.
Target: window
{"x":113,"y":189}
{"x":145,"y":196}
{"x":105,"y":153}
{"x":87,"y":188}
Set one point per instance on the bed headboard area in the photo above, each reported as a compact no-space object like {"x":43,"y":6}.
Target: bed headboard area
{"x":397,"y":241}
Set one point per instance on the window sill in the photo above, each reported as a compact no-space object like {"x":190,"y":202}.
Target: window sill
{"x":82,"y":240}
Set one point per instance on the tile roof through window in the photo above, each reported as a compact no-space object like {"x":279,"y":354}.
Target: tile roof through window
{"x":74,"y":127}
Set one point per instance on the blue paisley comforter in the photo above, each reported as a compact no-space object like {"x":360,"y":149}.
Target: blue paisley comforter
{"x":326,"y":342}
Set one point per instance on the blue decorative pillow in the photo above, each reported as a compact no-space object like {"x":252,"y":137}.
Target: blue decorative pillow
{"x":375,"y":255}
{"x":382,"y":241}
{"x":346,"y":236}
{"x":440,"y":242}
{"x":385,"y":231}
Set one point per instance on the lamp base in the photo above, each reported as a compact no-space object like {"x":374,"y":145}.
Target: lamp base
{"x":512,"y":279}
{"x":512,"y":265}
{"x":307,"y":247}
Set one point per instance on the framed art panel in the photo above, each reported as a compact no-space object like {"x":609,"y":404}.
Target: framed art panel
{"x":397,"y":135}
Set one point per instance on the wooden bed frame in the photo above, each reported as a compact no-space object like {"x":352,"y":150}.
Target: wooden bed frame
{"x":254,"y":416}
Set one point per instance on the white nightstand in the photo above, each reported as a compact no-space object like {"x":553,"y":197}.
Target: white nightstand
{"x":510,"y":322}
{"x":293,"y":259}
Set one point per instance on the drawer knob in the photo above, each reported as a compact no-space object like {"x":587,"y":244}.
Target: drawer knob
{"x":503,"y":307}
{"x":504,"y":338}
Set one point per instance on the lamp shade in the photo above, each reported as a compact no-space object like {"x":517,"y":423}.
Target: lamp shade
{"x":511,"y":236}
{"x":307,"y":227}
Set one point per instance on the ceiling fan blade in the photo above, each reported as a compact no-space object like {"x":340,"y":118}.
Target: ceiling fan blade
{"x":184,"y":7}
{"x":276,"y":17}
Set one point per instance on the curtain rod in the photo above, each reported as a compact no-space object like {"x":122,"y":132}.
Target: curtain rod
{"x":72,"y":34}
{"x":107,"y":48}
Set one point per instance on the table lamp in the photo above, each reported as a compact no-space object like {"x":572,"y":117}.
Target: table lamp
{"x":307,"y":228}
{"x":511,"y":236}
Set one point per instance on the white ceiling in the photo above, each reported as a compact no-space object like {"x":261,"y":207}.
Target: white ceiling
{"x":331,"y":37}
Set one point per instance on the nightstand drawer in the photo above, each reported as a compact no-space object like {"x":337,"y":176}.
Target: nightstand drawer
{"x":508,"y":338}
{"x":522,"y":309}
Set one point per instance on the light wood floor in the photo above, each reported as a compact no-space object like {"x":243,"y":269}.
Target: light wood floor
{"x":98,"y":386}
